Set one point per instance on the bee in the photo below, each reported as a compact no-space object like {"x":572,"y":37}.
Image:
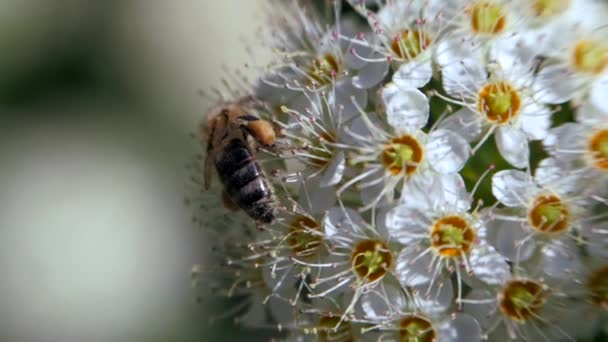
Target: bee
{"x":228,"y":131}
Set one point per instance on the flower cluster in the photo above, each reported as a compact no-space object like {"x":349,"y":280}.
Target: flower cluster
{"x":442,"y":176}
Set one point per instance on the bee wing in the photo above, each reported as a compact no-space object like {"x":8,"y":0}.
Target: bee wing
{"x":208,"y":168}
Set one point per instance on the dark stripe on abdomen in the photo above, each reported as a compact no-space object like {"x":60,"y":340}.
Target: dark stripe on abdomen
{"x":234,"y":156}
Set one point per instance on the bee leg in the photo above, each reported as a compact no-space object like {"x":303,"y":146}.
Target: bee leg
{"x":262,"y":131}
{"x":228,"y":202}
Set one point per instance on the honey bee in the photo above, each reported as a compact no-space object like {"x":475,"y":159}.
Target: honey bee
{"x":227,"y":131}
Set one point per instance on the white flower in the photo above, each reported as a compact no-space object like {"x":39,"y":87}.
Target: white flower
{"x":540,"y":211}
{"x":440,"y":233}
{"x":497,"y":99}
{"x":397,"y":316}
{"x":394,"y":156}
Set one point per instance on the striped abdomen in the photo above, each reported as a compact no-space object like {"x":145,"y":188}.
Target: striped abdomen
{"x":244,"y":181}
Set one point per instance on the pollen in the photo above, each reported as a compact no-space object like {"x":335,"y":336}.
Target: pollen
{"x":305,"y":237}
{"x":598,"y":287}
{"x":590,"y":57}
{"x":487,"y":17}
{"x":402,"y":154}
{"x":410,"y":43}
{"x":549,"y":8}
{"x":416,"y":328}
{"x":549,"y":215}
{"x":521,"y":300}
{"x":323,"y":70}
{"x":598,"y":146}
{"x":499,"y":102}
{"x":371,"y":259}
{"x":451,"y":236}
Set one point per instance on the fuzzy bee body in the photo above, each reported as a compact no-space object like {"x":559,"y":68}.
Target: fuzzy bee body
{"x":227,"y":133}
{"x":245,"y":182}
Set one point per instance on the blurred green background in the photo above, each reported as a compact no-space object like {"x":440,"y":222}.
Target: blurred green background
{"x":97,"y":100}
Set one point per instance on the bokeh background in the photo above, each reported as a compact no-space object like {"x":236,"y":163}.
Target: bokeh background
{"x":97,"y":101}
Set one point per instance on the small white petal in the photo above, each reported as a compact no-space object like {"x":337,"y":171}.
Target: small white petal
{"x":513,"y":145}
{"x":464,"y":122}
{"x":554,"y":84}
{"x":343,"y":97}
{"x":334,"y":171}
{"x":414,"y":74}
{"x":462,"y":328}
{"x":599,"y":92}
{"x":566,"y":137}
{"x":371,"y":74}
{"x":508,"y":242}
{"x":511,"y":187}
{"x":316,"y":199}
{"x":446,"y":151}
{"x":593,"y":114}
{"x":341,"y":221}
{"x":377,"y":304}
{"x":561,"y":261}
{"x":435,"y":299}
{"x":407,"y":109}
{"x":483,"y":313}
{"x":550,"y":173}
{"x":413,"y":268}
{"x":488,"y":265}
{"x":407,"y":225}
{"x":462,"y":67}
{"x":535,"y":120}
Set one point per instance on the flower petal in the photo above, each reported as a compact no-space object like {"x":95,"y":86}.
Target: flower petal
{"x":407,"y":109}
{"x":464,"y":122}
{"x":461,"y":61}
{"x":435,"y":299}
{"x":512,"y":144}
{"x":407,"y":225}
{"x":383,"y":302}
{"x":413,"y":268}
{"x":511,"y":187}
{"x":598,"y":94}
{"x":314,"y":198}
{"x":561,"y":261}
{"x":508,"y":242}
{"x":447,"y":151}
{"x":334,"y":171}
{"x":414,"y":74}
{"x":488,"y":265}
{"x":340,"y":221}
{"x":371,"y":74}
{"x":483,"y":312}
{"x":343,"y":97}
{"x":554,"y":84}
{"x":535,"y":120}
{"x":461,"y":328}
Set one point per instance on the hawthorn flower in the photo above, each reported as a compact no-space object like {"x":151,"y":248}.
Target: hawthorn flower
{"x":397,"y":314}
{"x":582,"y":148}
{"x":441,"y":233}
{"x":359,"y":259}
{"x":521,"y":307}
{"x":540,"y":210}
{"x":394,"y":156}
{"x":497,"y":98}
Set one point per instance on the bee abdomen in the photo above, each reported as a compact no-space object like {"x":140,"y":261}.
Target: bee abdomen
{"x":245,"y":183}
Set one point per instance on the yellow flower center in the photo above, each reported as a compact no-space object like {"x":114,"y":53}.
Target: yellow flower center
{"x":487,"y":17}
{"x":549,"y":215}
{"x":416,"y":329}
{"x":521,"y":300}
{"x":409,"y":44}
{"x":451,"y":236}
{"x":371,"y":259}
{"x":549,"y":8}
{"x":305,"y":237}
{"x":598,"y":146}
{"x":323,"y":70}
{"x":402,"y":154}
{"x":598,"y":287}
{"x":590,"y":57}
{"x":499,"y":101}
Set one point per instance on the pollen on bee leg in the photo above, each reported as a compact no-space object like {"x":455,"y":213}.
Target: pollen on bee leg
{"x":262,"y":131}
